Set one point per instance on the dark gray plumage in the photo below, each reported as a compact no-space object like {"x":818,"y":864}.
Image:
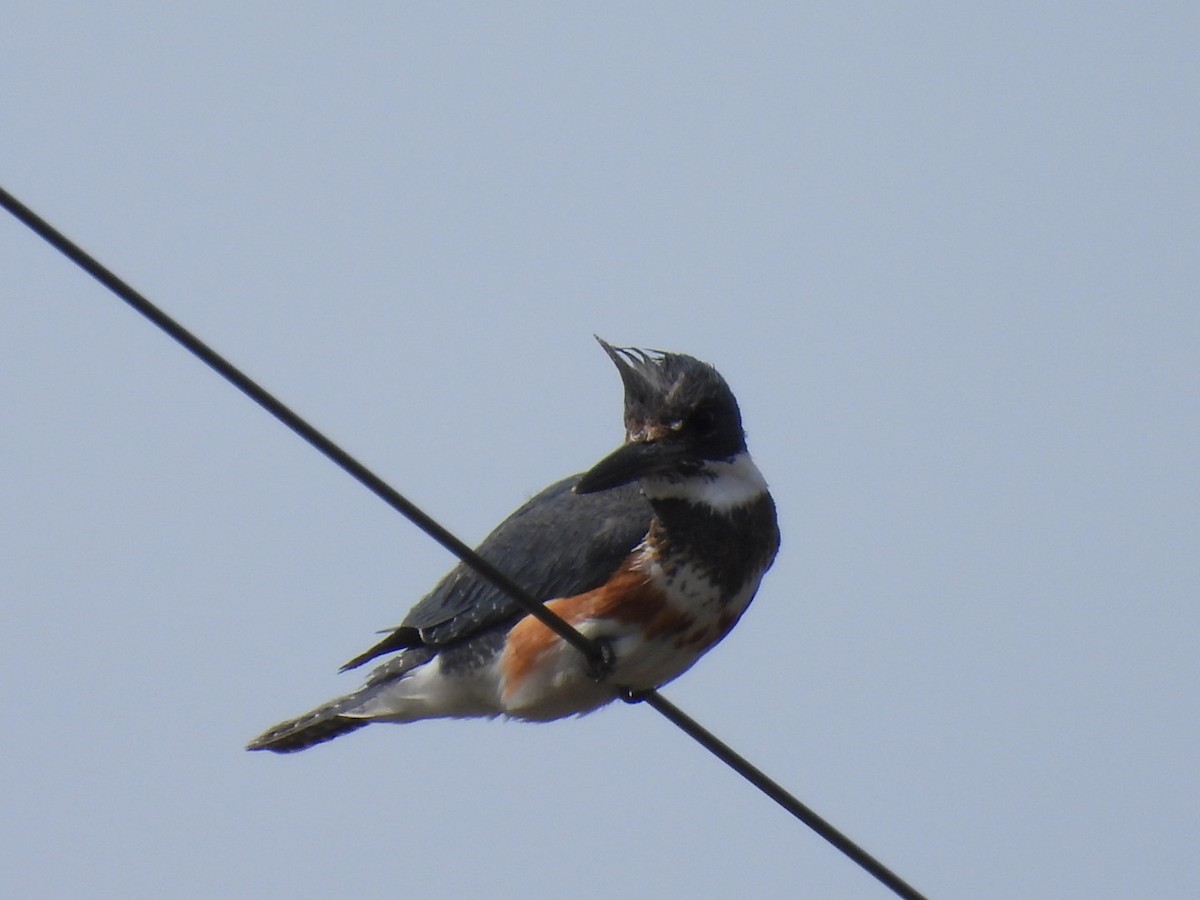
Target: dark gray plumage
{"x":558,"y":544}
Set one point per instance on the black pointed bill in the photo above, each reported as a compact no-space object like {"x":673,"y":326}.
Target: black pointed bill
{"x":629,"y":463}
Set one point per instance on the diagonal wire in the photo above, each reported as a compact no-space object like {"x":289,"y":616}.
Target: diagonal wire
{"x":774,"y":790}
{"x":292,"y":420}
{"x":393,"y":498}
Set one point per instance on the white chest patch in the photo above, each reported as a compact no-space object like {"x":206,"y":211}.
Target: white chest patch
{"x":721,"y":485}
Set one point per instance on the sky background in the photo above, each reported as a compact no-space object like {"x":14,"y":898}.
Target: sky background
{"x":946,"y":257}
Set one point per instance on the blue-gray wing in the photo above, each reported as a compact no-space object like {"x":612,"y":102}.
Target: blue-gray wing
{"x":558,"y":544}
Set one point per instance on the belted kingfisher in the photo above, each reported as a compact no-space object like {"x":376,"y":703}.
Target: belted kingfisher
{"x":655,"y":552}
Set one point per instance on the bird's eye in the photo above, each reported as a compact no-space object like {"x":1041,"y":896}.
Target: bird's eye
{"x":702,"y":421}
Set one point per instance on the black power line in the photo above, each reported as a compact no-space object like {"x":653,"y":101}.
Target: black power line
{"x":393,"y":498}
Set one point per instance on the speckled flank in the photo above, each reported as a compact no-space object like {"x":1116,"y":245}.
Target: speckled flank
{"x":627,"y":598}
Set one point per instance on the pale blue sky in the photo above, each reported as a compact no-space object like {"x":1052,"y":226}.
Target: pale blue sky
{"x":946,"y":257}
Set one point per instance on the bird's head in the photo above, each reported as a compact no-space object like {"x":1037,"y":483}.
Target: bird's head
{"x":679,"y":414}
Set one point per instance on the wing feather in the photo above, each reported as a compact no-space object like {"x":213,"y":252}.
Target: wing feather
{"x":558,"y":544}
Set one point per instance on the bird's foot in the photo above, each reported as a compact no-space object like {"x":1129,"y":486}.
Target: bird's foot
{"x":600,"y":667}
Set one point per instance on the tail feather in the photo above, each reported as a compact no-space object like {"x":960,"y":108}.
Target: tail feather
{"x":322,"y":724}
{"x":346,"y":713}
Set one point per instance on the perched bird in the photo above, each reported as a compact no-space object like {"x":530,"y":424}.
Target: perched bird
{"x":655,"y":553}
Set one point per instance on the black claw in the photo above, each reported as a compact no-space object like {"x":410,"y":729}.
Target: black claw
{"x":600,"y":667}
